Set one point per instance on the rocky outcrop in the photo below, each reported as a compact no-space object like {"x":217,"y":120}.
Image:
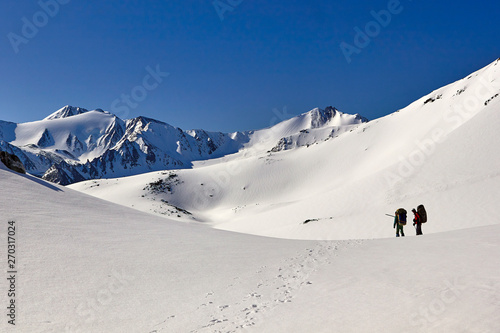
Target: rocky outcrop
{"x":12,"y":162}
{"x":62,"y":173}
{"x":45,"y":140}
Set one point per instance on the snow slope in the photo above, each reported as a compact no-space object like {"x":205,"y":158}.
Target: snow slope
{"x":442,"y":151}
{"x":85,"y":128}
{"x":87,"y":265}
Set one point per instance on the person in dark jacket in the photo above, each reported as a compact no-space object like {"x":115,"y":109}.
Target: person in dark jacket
{"x":398,"y":225}
{"x":417,"y":221}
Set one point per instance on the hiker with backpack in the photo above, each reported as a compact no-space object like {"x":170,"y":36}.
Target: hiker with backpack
{"x":400,"y":221}
{"x":420,"y":217}
{"x":417,"y":221}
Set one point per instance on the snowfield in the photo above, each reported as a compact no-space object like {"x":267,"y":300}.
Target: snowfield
{"x":290,"y":240}
{"x":441,"y":151}
{"x":88,"y":265}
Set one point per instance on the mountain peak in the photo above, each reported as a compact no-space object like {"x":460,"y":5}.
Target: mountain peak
{"x":331,"y":116}
{"x":68,"y":111}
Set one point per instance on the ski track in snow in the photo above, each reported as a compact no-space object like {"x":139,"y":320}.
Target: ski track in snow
{"x":277,"y":285}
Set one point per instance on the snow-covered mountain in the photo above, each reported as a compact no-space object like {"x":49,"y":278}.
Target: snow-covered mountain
{"x":75,"y":144}
{"x":441,"y":150}
{"x":88,"y":265}
{"x":68,"y":111}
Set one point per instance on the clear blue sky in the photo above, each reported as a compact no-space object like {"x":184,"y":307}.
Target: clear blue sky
{"x":229,"y":69}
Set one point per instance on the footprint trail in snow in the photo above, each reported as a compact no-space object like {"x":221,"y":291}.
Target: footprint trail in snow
{"x":268,"y":288}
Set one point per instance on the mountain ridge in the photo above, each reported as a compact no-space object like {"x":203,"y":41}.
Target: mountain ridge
{"x":439,"y":150}
{"x":68,"y":111}
{"x":74,"y":144}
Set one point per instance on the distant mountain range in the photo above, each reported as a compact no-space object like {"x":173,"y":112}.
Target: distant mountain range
{"x":74,"y":144}
{"x":323,"y":176}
